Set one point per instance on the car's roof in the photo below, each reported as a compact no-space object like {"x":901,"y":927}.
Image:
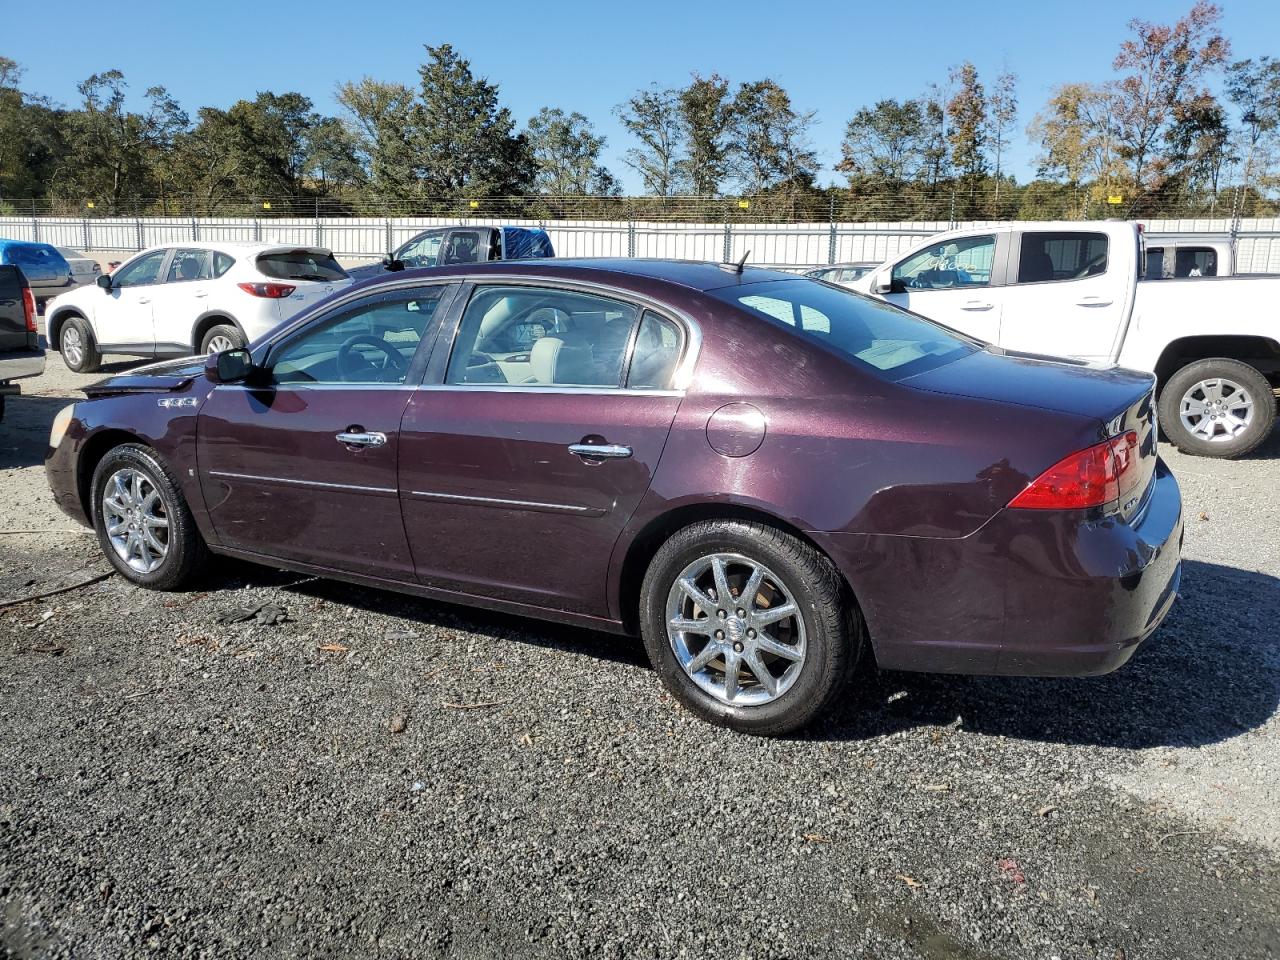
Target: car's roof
{"x":25,"y":243}
{"x":697,"y":275}
{"x":234,"y":246}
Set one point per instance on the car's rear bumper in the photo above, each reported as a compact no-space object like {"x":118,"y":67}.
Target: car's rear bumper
{"x":18,"y":364}
{"x":1030,"y":593}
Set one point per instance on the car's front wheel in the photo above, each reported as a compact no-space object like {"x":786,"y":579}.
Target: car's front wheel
{"x":78,"y":348}
{"x":1217,"y":408}
{"x":142,"y":520}
{"x":748,"y":626}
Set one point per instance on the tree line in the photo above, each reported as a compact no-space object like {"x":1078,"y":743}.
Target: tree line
{"x":1152,"y":138}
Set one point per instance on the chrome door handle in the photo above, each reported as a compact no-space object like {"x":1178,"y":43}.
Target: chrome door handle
{"x":144,"y":300}
{"x":362,"y":439}
{"x":976,"y":305}
{"x":600,"y":451}
{"x":1092,"y":302}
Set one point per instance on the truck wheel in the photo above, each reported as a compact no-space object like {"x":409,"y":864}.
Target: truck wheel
{"x":222,"y":337}
{"x":76,"y":343}
{"x":1217,"y":408}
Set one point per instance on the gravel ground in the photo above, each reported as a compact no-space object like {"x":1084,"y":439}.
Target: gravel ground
{"x":378,"y":776}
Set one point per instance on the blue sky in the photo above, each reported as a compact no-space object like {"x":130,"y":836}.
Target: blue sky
{"x":832,"y":57}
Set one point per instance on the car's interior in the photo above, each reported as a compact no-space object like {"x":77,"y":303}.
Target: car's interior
{"x":964,"y":262}
{"x":536,"y":336}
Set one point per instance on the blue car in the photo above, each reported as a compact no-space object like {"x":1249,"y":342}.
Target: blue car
{"x":46,"y":270}
{"x":443,"y":246}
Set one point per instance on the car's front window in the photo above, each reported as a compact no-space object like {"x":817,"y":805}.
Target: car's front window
{"x":874,"y":334}
{"x":421,"y":252}
{"x":372,"y":342}
{"x":143,"y":271}
{"x":962,"y":262}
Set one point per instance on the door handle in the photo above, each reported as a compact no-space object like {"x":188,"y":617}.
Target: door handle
{"x":201,"y":295}
{"x":144,"y":299}
{"x":976,"y":305}
{"x":1092,"y":302}
{"x":360,"y":438}
{"x":600,"y":451}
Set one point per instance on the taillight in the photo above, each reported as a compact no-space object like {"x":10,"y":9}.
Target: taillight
{"x":1088,"y":478}
{"x":29,"y":309}
{"x":272,"y":291}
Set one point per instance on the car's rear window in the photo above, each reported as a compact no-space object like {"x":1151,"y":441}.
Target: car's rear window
{"x":10,"y":283}
{"x":890,"y":342}
{"x":300,"y":265}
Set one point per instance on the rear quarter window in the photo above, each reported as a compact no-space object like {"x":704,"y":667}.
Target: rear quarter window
{"x":300,"y":265}
{"x":876,"y":336}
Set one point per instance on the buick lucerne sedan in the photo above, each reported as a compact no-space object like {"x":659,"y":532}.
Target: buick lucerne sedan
{"x":763,"y":476}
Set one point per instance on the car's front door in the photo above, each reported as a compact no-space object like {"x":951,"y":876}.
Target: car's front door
{"x":518,"y":477}
{"x":301,"y":465}
{"x":122,"y":316}
{"x":956,"y":282}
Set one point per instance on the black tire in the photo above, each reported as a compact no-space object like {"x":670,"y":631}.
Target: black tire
{"x":227,"y":330}
{"x":832,"y":625}
{"x":186,"y":552}
{"x":1183,"y":384}
{"x":85,"y":360}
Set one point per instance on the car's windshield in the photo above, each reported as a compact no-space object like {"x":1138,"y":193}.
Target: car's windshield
{"x":890,"y":342}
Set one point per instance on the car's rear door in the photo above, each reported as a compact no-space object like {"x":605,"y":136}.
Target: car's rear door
{"x":303,"y":465}
{"x":519,"y":491}
{"x":180,"y":298}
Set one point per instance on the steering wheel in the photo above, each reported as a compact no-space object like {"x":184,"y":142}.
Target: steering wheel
{"x":351,"y":364}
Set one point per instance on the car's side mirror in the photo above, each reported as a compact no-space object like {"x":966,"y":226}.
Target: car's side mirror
{"x":229,"y":366}
{"x":104,"y":281}
{"x":392,"y":264}
{"x":883,"y":283}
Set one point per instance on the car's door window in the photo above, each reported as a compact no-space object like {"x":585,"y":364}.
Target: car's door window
{"x":1046,"y":256}
{"x":1155,"y":263}
{"x":374,"y":341}
{"x":463,"y":246}
{"x":422,"y":252}
{"x":656,"y":354}
{"x":1195,"y":262}
{"x":188,"y":265}
{"x":540,"y":336}
{"x":960,"y":262}
{"x":144,"y":270}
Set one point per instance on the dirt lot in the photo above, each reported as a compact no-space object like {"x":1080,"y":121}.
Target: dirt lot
{"x":383,"y":777}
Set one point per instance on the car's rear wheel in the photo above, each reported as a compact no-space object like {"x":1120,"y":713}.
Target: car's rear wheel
{"x":78,"y":348}
{"x":222,"y":337}
{"x":143,"y":522}
{"x":748,"y":626}
{"x":1217,"y":408}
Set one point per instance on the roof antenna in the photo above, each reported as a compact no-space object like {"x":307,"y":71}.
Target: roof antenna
{"x":736,"y":267}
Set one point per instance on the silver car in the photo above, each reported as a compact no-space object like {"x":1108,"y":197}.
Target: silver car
{"x":84,"y":269}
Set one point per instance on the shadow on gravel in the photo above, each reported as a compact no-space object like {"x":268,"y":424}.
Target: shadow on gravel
{"x":1210,"y":673}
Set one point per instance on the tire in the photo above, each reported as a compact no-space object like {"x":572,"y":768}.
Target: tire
{"x":223,"y":332}
{"x":184,"y":552}
{"x":826,"y":627}
{"x":1224,"y":431}
{"x":78,"y":347}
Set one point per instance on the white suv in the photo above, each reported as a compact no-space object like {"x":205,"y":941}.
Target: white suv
{"x":189,"y":298}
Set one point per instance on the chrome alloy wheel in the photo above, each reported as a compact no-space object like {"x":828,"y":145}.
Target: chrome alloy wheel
{"x":72,"y":346}
{"x":736,"y":629}
{"x":220,"y":343}
{"x":1216,"y":410}
{"x":136,"y":520}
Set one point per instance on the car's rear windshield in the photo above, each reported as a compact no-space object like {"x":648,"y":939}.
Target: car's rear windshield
{"x":887,"y":341}
{"x":301,"y":265}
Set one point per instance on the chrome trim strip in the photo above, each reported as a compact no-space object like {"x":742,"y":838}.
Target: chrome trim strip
{"x":549,"y":388}
{"x":302,"y":483}
{"x":518,"y":504}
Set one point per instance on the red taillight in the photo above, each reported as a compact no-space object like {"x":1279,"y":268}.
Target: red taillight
{"x":272,"y":291}
{"x":29,"y":309}
{"x":1088,"y":478}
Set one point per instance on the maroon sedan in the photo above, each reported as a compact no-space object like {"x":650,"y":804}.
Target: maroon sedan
{"x":761,"y":475}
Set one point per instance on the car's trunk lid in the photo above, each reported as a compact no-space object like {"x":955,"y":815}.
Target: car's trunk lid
{"x":1120,"y":400}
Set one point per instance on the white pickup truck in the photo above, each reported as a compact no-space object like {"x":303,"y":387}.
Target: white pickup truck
{"x":1072,"y":289}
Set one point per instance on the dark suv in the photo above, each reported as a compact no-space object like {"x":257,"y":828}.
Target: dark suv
{"x":20,"y":352}
{"x":445,"y":246}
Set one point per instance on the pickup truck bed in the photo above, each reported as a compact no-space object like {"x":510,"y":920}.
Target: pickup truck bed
{"x":21,"y":354}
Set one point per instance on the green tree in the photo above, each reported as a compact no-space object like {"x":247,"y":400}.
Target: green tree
{"x":31,"y":137}
{"x":706,"y":115}
{"x":566,"y":155}
{"x":885,"y":142}
{"x":770,"y":139}
{"x":332,"y":156}
{"x":463,"y":142}
{"x":1002,"y":115}
{"x":652,"y":116}
{"x":1253,"y":87}
{"x":967,"y":113}
{"x":1161,"y":67}
{"x":382,"y":117}
{"x":112,"y":153}
{"x":212,"y":160}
